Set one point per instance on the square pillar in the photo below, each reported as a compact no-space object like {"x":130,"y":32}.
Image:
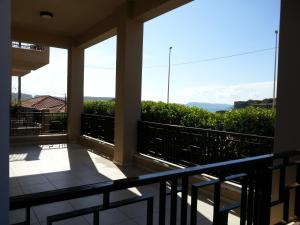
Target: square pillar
{"x":5,"y":92}
{"x":128,"y":87}
{"x":75,"y":92}
{"x":287,"y":135}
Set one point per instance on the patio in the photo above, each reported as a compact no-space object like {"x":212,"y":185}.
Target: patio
{"x":53,"y":167}
{"x":37,"y":168}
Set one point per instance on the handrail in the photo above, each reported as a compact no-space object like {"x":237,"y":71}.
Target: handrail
{"x":34,"y":199}
{"x":205,"y":129}
{"x":96,"y":115}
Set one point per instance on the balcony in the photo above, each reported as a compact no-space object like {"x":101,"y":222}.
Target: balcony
{"x":28,"y":57}
{"x":76,"y":185}
{"x":268,"y":185}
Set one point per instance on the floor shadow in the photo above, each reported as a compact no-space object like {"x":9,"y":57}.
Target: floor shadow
{"x":68,"y":165}
{"x":28,"y":153}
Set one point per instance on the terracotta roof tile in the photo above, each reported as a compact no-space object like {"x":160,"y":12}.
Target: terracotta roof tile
{"x":53,"y":104}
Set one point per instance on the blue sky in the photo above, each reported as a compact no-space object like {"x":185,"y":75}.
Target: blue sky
{"x":199,"y":30}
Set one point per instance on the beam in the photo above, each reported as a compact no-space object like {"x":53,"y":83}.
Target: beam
{"x":144,"y":10}
{"x":5,"y":93}
{"x":24,"y":35}
{"x":19,"y":72}
{"x":103,"y":30}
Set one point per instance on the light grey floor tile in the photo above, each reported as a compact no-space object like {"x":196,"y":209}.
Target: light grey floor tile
{"x":17,"y":216}
{"x":29,"y":189}
{"x":15,"y":191}
{"x":51,"y":209}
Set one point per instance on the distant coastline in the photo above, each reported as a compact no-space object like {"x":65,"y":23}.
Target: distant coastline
{"x":211,"y":107}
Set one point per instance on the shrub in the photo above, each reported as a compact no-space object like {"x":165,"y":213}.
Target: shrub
{"x":100,"y":107}
{"x":161,"y":112}
{"x":249,"y":120}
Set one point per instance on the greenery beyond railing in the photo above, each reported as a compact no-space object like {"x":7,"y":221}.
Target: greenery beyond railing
{"x":196,"y":136}
{"x":98,"y":126}
{"x":182,"y":145}
{"x":250,"y":120}
{"x":37,"y":123}
{"x":190,"y":146}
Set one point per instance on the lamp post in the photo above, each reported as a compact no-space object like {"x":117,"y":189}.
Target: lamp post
{"x":275,"y":70}
{"x":19,"y":90}
{"x":169,"y":71}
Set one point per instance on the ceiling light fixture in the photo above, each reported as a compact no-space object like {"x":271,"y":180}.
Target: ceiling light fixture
{"x":46,"y":15}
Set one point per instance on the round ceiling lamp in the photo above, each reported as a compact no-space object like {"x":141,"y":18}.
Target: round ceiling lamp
{"x":46,"y":15}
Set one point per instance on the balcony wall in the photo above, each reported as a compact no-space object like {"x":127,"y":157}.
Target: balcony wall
{"x":28,"y":57}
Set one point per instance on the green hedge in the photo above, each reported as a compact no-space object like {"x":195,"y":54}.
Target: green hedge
{"x":106,"y":108}
{"x":248,"y":120}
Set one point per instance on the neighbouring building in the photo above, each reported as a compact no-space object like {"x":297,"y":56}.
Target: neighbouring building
{"x":46,"y":103}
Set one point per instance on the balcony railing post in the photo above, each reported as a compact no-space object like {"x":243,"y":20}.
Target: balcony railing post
{"x":173,"y":214}
{"x":297,"y":207}
{"x":244,"y":196}
{"x":217,"y":201}
{"x":184,"y":195}
{"x":162,"y":203}
{"x":266,"y":193}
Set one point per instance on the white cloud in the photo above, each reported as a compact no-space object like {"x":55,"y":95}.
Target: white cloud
{"x":224,"y":93}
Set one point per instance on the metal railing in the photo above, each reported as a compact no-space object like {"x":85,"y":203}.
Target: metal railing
{"x":98,"y":126}
{"x":27,"y":46}
{"x":182,"y":145}
{"x":254,"y":173}
{"x":37,"y":123}
{"x":197,"y":146}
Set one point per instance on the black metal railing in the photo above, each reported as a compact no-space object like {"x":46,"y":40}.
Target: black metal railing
{"x":27,"y":46}
{"x":37,"y":123}
{"x":190,"y":146}
{"x":254,"y":173}
{"x":98,"y":126}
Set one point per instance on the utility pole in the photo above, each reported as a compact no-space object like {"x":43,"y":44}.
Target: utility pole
{"x":19,"y":90}
{"x":169,"y":71}
{"x":275,"y":69}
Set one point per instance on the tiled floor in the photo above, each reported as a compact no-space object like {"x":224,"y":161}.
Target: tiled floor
{"x":41,"y":168}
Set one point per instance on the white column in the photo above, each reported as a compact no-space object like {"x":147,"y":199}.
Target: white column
{"x":128,"y":88}
{"x":5,"y":89}
{"x":75,"y":91}
{"x":287,"y":132}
